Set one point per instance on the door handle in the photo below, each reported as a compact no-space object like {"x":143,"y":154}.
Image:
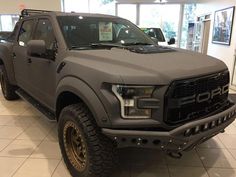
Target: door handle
{"x":29,"y":60}
{"x":14,"y":55}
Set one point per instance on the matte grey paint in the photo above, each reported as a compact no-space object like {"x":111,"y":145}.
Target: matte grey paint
{"x":86,"y":72}
{"x":7,"y":58}
{"x":146,"y":69}
{"x":36,"y":47}
{"x":82,"y":90}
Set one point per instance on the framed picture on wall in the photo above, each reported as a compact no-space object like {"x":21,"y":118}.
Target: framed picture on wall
{"x":223,"y":23}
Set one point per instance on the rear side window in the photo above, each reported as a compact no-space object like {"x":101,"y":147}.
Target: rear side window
{"x":44,"y":31}
{"x":25,"y":32}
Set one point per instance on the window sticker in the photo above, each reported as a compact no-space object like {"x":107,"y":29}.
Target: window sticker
{"x":105,"y":31}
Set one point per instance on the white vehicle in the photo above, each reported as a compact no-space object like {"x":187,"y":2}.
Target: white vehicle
{"x":157,"y":35}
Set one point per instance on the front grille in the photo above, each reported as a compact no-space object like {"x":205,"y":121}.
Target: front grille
{"x":189,"y":90}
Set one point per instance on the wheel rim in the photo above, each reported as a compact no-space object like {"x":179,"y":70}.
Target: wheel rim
{"x":75,"y":146}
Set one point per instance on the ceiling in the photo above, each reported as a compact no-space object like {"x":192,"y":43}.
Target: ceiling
{"x":153,"y":1}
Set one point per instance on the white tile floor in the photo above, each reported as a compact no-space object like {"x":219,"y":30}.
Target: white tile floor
{"x":29,"y":148}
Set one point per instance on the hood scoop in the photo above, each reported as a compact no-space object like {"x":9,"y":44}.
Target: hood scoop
{"x":149,"y":49}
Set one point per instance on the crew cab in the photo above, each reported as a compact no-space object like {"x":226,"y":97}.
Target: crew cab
{"x":109,"y":85}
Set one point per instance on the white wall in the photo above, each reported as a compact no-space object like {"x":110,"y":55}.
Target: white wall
{"x":222,"y":52}
{"x":15,"y":6}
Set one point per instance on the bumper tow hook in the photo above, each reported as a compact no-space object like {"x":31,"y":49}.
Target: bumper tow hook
{"x":175,"y":155}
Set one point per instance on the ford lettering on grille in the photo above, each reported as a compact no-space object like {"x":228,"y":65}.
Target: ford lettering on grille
{"x":205,"y":96}
{"x":198,"y":97}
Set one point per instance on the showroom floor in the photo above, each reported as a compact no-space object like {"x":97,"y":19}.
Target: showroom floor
{"x":29,"y":148}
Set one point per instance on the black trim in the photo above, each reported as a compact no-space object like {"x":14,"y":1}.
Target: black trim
{"x":175,"y":140}
{"x":43,"y":109}
{"x":29,"y":12}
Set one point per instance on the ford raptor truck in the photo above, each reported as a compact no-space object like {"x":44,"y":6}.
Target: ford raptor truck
{"x":109,"y":85}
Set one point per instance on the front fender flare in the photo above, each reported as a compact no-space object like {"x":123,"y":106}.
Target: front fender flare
{"x":87,"y":95}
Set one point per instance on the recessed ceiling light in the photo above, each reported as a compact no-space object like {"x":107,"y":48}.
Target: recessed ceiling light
{"x":161,"y":1}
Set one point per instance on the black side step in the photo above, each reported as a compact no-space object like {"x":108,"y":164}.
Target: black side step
{"x":44,"y":110}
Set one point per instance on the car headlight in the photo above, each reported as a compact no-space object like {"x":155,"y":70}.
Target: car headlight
{"x":135,"y":101}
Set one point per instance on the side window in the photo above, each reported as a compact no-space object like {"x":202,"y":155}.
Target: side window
{"x":44,"y":32}
{"x":25,"y":32}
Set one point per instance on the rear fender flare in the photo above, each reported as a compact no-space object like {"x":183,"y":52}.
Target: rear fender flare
{"x":7,"y":61}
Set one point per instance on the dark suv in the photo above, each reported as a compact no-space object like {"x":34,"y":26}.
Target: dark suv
{"x":109,"y":85}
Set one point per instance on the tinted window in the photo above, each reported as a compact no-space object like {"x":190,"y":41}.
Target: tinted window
{"x":44,"y":31}
{"x":25,"y":32}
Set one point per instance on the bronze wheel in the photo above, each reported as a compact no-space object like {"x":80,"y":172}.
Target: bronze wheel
{"x":86,"y":152}
{"x":75,"y":146}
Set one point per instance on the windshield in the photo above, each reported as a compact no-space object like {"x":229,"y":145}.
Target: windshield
{"x":83,"y":32}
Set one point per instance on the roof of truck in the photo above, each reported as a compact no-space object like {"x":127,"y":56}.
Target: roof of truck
{"x":31,"y":12}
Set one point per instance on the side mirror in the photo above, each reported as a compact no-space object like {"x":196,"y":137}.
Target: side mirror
{"x":171,"y":41}
{"x":36,"y":48}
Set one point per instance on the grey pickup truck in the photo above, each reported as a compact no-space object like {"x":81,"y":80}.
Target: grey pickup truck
{"x":109,"y":85}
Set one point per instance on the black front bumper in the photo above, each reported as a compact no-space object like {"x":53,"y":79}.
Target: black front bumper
{"x":180,"y":139}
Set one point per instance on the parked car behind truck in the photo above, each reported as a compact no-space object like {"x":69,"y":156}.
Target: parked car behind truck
{"x":157,"y":35}
{"x":108,"y":85}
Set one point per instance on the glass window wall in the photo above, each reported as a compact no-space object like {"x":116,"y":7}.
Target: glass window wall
{"x":188,"y":27}
{"x":76,"y":5}
{"x":89,"y":6}
{"x":128,"y":11}
{"x":156,"y":16}
{"x":103,"y":6}
{"x":7,"y":22}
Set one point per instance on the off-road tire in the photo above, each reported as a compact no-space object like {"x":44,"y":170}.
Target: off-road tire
{"x":100,"y":151}
{"x":8,"y":90}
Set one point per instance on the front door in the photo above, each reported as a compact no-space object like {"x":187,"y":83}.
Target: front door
{"x":42,"y":69}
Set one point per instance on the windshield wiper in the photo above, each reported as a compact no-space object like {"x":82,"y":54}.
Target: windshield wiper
{"x":96,"y":45}
{"x":80,"y":47}
{"x":107,"y":45}
{"x":136,"y":43}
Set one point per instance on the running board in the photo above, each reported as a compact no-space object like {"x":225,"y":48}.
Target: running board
{"x":44,"y":110}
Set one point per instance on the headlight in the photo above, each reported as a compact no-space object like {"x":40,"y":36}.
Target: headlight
{"x":129,"y":97}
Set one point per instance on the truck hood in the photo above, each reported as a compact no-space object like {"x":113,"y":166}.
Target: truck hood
{"x":149,"y":67}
